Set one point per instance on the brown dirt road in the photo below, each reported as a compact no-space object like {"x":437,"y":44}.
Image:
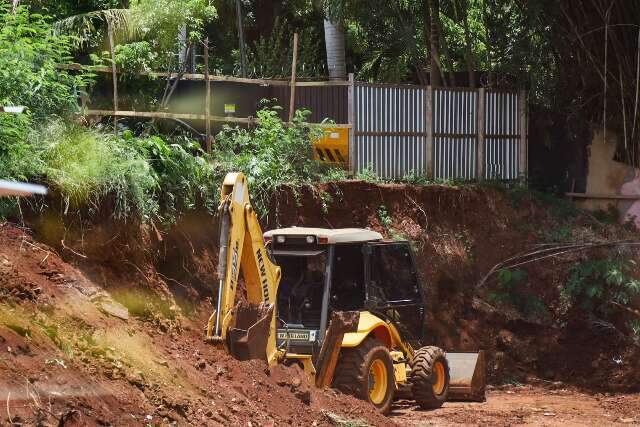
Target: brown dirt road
{"x":528,"y":405}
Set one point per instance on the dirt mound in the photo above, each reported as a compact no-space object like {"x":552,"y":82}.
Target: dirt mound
{"x":73,"y":353}
{"x":459,"y":234}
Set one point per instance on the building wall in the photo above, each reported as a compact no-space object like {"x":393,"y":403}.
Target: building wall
{"x":608,"y":177}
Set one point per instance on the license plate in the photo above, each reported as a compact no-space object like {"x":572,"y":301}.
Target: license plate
{"x":297,"y":335}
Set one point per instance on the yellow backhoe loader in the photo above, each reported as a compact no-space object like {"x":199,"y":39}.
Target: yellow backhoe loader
{"x":345,"y":304}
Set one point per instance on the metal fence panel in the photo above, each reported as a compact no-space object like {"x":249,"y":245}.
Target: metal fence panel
{"x":502,"y":133}
{"x":390,"y":129}
{"x":324,"y":102}
{"x":455,"y":131}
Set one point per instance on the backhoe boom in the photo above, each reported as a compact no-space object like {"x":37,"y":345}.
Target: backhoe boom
{"x":243,"y":328}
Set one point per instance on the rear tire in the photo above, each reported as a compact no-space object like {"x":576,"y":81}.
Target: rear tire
{"x":429,"y":377}
{"x":367,"y":373}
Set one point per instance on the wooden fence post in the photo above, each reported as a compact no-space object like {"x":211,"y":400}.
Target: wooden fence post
{"x":351,"y":120}
{"x":523,"y":151}
{"x":292,"y":99}
{"x":429,"y":127}
{"x":207,"y":104}
{"x":480,"y":163}
{"x":114,"y":75}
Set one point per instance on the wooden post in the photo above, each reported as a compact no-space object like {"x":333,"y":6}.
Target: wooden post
{"x":351,"y":119}
{"x":114,"y":75}
{"x":523,"y":152}
{"x":481,"y":134}
{"x":429,"y":127}
{"x":292,"y":99}
{"x":207,"y":102}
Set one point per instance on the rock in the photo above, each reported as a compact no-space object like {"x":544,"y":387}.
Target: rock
{"x":304,"y":396}
{"x":295,"y":383}
{"x":201,"y":364}
{"x":114,"y":309}
{"x":72,"y":418}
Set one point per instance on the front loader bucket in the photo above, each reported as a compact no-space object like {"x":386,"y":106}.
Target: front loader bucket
{"x":467,"y":376}
{"x":249,"y":336}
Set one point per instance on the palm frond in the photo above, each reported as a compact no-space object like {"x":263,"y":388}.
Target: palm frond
{"x":83,"y":26}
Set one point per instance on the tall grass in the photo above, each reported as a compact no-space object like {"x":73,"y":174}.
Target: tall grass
{"x":86,"y":166}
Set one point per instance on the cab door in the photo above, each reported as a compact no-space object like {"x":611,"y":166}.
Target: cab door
{"x":393,"y":287}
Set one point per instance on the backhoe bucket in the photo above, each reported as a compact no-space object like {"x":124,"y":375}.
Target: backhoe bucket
{"x":249,"y":336}
{"x":467,"y":376}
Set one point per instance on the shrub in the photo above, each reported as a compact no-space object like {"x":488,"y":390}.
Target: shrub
{"x":87,"y":165}
{"x":184,"y":181}
{"x":272,"y":154}
{"x":593,"y":283}
{"x":29,"y":52}
{"x":511,"y":290}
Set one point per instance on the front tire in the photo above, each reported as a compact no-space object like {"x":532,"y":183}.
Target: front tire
{"x":367,"y":372}
{"x":429,"y":377}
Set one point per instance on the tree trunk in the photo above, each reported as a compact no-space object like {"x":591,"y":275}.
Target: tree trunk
{"x":334,"y":43}
{"x":434,"y":24}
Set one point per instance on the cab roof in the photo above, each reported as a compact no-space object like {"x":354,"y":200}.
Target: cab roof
{"x":338,"y":235}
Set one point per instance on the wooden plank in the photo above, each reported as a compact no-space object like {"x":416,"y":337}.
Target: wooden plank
{"x":429,"y":123}
{"x":455,"y":135}
{"x":603,"y":196}
{"x":207,"y":102}
{"x":167,"y":115}
{"x":481,"y":134}
{"x":371,"y":133}
{"x":294,"y":61}
{"x":324,"y":83}
{"x":341,"y":323}
{"x":189,"y":116}
{"x":351,"y":120}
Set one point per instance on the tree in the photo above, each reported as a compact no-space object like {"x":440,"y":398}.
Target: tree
{"x":437,"y":77}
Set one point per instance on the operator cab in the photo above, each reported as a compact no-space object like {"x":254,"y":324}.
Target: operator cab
{"x":327,"y":270}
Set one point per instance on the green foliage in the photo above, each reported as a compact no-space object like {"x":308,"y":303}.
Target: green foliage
{"x":272,"y":154}
{"x":593,"y":283}
{"x":184,"y":181}
{"x":511,"y":290}
{"x":29,"y":52}
{"x":634,"y":325}
{"x":383,"y":216}
{"x":136,"y":57}
{"x":161,"y":20}
{"x":87,"y":166}
{"x":147,"y":178}
{"x":270,"y":56}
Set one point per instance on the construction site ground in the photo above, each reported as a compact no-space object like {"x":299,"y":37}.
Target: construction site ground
{"x":101,"y":322}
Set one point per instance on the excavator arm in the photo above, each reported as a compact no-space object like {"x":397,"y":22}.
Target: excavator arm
{"x":247,"y":328}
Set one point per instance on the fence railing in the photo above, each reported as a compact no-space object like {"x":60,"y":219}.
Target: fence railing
{"x":394,"y":130}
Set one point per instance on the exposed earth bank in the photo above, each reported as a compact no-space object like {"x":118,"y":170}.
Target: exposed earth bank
{"x":101,"y":321}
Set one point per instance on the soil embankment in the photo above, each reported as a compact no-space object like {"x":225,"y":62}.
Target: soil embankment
{"x":103,"y":319}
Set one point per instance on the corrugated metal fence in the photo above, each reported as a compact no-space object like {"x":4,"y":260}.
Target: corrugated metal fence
{"x":445,"y":133}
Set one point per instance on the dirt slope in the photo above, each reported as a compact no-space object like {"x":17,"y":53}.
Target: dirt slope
{"x":55,"y":300}
{"x":69,"y":351}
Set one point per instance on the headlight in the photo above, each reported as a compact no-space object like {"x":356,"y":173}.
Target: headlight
{"x":310,"y":239}
{"x":280,"y":239}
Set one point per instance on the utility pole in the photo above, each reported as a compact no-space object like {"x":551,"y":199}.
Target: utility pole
{"x":243,"y":65}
